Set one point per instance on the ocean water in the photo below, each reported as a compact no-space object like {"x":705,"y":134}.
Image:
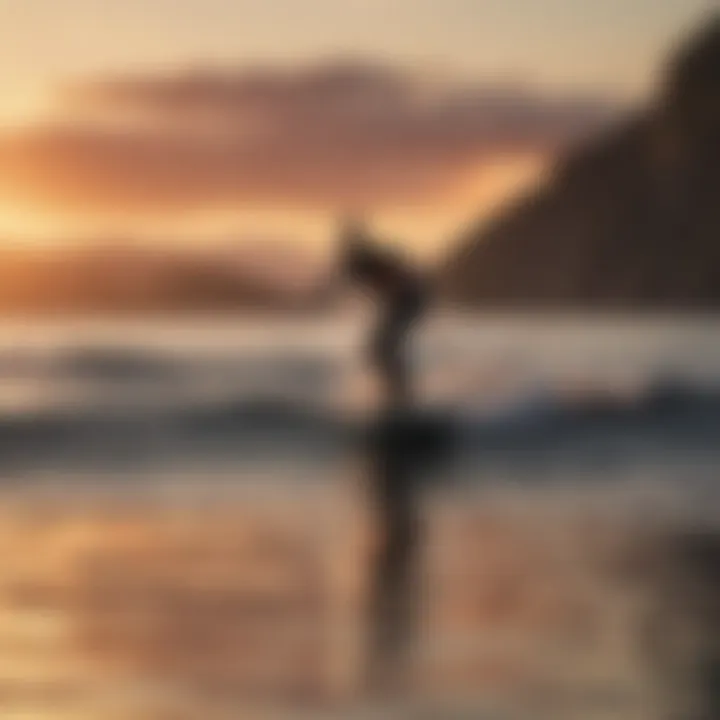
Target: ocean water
{"x":185,"y":532}
{"x":131,"y":396}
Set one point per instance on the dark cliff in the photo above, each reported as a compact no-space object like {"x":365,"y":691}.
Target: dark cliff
{"x":630,"y":220}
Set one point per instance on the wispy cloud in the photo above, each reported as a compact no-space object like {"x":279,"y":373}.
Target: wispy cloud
{"x":331,"y":134}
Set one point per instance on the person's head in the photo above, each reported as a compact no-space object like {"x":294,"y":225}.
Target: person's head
{"x":361,"y":260}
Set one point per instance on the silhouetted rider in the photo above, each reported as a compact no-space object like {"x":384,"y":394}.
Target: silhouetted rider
{"x":402,"y":296}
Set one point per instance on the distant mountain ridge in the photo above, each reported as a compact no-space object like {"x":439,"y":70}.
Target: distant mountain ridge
{"x":126,"y":279}
{"x":630,"y":220}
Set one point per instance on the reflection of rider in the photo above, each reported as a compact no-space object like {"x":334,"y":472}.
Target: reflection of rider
{"x":401,"y":294}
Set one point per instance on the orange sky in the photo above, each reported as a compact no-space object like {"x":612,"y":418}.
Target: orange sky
{"x":197,"y":119}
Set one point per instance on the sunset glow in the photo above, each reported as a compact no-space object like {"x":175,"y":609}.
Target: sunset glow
{"x":154,"y":119}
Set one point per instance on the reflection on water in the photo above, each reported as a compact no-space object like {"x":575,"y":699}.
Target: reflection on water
{"x":554,"y":606}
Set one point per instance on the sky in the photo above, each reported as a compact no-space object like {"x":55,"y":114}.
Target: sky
{"x":188,"y":120}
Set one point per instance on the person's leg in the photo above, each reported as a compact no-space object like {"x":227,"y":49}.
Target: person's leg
{"x":390,"y":354}
{"x":395,"y":375}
